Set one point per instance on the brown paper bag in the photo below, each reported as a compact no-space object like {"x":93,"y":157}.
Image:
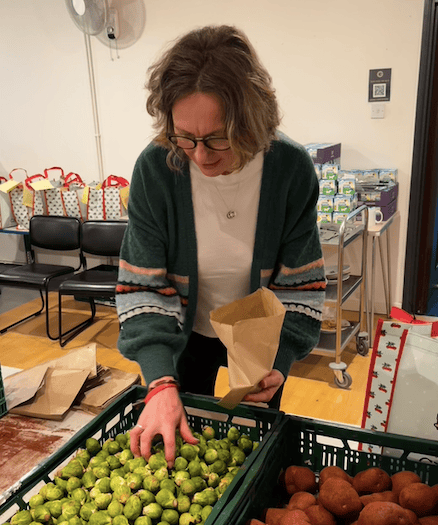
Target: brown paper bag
{"x":250,"y":329}
{"x":54,"y":398}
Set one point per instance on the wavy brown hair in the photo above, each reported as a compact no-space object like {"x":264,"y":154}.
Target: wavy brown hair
{"x":218,"y":60}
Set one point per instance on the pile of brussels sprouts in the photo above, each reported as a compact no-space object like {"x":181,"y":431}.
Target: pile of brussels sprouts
{"x":106,"y":485}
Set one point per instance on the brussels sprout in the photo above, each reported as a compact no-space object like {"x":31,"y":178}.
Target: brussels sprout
{"x":79,"y":494}
{"x":151,"y":483}
{"x":93,"y":446}
{"x":143,"y":520}
{"x":73,"y":483}
{"x":76,"y":520}
{"x":41,"y":514}
{"x":102,"y":454}
{"x":103,"y":484}
{"x":111,"y":446}
{"x":219,"y":467}
{"x":200,"y":483}
{"x":207,"y":496}
{"x":103,"y":500}
{"x":213,"y":479}
{"x":161,"y":473}
{"x":224,"y":455}
{"x":22,"y":517}
{"x":122,"y":440}
{"x":73,"y":468}
{"x":237,"y":456}
{"x":53,"y":493}
{"x":61,"y":483}
{"x":133,"y":508}
{"x":181,"y":476}
{"x":180,"y":463}
{"x":96,"y":461}
{"x":117,"y":481}
{"x":115,"y":508}
{"x":101,"y":517}
{"x":87,"y":510}
{"x":71,"y":508}
{"x":194,"y":468}
{"x":134,"y":481}
{"x":137,"y":462}
{"x":142,"y":471}
{"x":36,"y":500}
{"x":168,"y":484}
{"x":166,"y":499}
{"x":118,"y":472}
{"x":188,"y":452}
{"x":89,"y":479}
{"x":209,"y":433}
{"x":102,"y":471}
{"x":157,"y":461}
{"x":146,"y":496}
{"x":122,"y":493}
{"x":245,"y":443}
{"x":187,"y":487}
{"x":233,"y":434}
{"x":113,"y":462}
{"x":55,"y":507}
{"x":171,"y":516}
{"x":210,"y":456}
{"x":93,"y":492}
{"x":125,"y":455}
{"x":183,"y":503}
{"x":186,"y":518}
{"x":121,"y":520}
{"x":206,"y":511}
{"x":205,"y":470}
{"x":153,"y":510}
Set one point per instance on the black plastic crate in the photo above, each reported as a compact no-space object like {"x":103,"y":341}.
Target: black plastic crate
{"x":258,"y":423}
{"x":315,"y":444}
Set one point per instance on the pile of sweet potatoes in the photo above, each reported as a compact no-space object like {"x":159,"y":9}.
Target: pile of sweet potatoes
{"x":371,"y":497}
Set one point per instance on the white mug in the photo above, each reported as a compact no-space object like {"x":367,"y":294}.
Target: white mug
{"x":375,"y":216}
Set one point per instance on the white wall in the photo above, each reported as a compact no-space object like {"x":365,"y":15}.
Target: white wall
{"x":318,"y":52}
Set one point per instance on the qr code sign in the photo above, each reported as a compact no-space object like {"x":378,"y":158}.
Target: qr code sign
{"x":379,"y":90}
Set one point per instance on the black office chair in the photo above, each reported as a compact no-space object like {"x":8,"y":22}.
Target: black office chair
{"x":104,"y":239}
{"x":61,"y":234}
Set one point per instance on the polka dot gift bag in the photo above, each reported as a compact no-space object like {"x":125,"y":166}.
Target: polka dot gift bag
{"x":106,"y":201}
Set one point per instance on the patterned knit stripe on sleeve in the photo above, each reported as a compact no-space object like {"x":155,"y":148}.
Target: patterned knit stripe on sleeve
{"x":301,"y":289}
{"x":150,"y":290}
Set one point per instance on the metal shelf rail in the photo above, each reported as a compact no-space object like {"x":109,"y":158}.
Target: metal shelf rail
{"x":333,"y":344}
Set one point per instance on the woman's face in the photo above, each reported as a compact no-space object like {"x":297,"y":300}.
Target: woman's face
{"x":200,"y":116}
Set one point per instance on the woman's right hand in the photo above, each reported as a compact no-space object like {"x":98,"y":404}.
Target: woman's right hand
{"x":163,"y":414}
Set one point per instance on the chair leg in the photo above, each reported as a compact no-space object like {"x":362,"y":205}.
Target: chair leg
{"x":3,"y":330}
{"x":76,"y":330}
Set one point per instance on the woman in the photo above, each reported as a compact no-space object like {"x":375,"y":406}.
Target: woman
{"x":220,"y":204}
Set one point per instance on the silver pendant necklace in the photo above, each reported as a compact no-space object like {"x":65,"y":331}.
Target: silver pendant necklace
{"x":231,"y":211}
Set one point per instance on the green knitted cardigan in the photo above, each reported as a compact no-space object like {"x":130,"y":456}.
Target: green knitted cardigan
{"x":157,"y":290}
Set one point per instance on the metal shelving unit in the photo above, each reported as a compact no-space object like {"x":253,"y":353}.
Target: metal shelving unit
{"x":333,"y":344}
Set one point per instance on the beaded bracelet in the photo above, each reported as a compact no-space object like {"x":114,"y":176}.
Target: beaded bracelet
{"x":157,"y":389}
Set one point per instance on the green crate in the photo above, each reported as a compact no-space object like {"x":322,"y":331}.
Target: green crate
{"x":258,"y":423}
{"x":3,"y":407}
{"x":316,"y":444}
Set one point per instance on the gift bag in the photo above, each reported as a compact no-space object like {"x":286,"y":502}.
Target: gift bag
{"x":6,"y":216}
{"x":53,"y":197}
{"x":105,"y":202}
{"x":33,"y":193}
{"x":71,"y":196}
{"x":385,"y":386}
{"x":20,"y":212}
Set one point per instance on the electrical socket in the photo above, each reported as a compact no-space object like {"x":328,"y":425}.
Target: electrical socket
{"x":377,"y":110}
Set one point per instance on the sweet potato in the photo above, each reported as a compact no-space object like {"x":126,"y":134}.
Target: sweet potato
{"x":300,"y":479}
{"x":318,"y":515}
{"x":372,"y":480}
{"x":333,"y":472}
{"x":418,"y":497}
{"x":387,"y":495}
{"x":428,"y":520}
{"x":403,"y":478}
{"x":294,"y":517}
{"x":273,"y":515}
{"x":301,"y":500}
{"x":384,"y":513}
{"x":340,"y":498}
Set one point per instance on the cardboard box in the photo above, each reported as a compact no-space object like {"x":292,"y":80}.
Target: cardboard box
{"x":324,"y":152}
{"x":379,"y":194}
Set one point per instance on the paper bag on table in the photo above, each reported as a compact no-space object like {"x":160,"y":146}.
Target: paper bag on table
{"x":250,"y":329}
{"x":25,"y":385}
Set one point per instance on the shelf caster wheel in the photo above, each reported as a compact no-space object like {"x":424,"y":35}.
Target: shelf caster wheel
{"x":345,"y":381}
{"x":362,"y":345}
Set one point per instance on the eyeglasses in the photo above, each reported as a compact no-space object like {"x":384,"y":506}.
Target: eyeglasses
{"x":215,"y":143}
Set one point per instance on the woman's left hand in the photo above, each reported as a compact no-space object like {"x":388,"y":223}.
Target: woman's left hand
{"x":268,"y":386}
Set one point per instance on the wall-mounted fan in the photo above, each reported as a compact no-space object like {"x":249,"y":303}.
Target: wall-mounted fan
{"x":100,"y":18}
